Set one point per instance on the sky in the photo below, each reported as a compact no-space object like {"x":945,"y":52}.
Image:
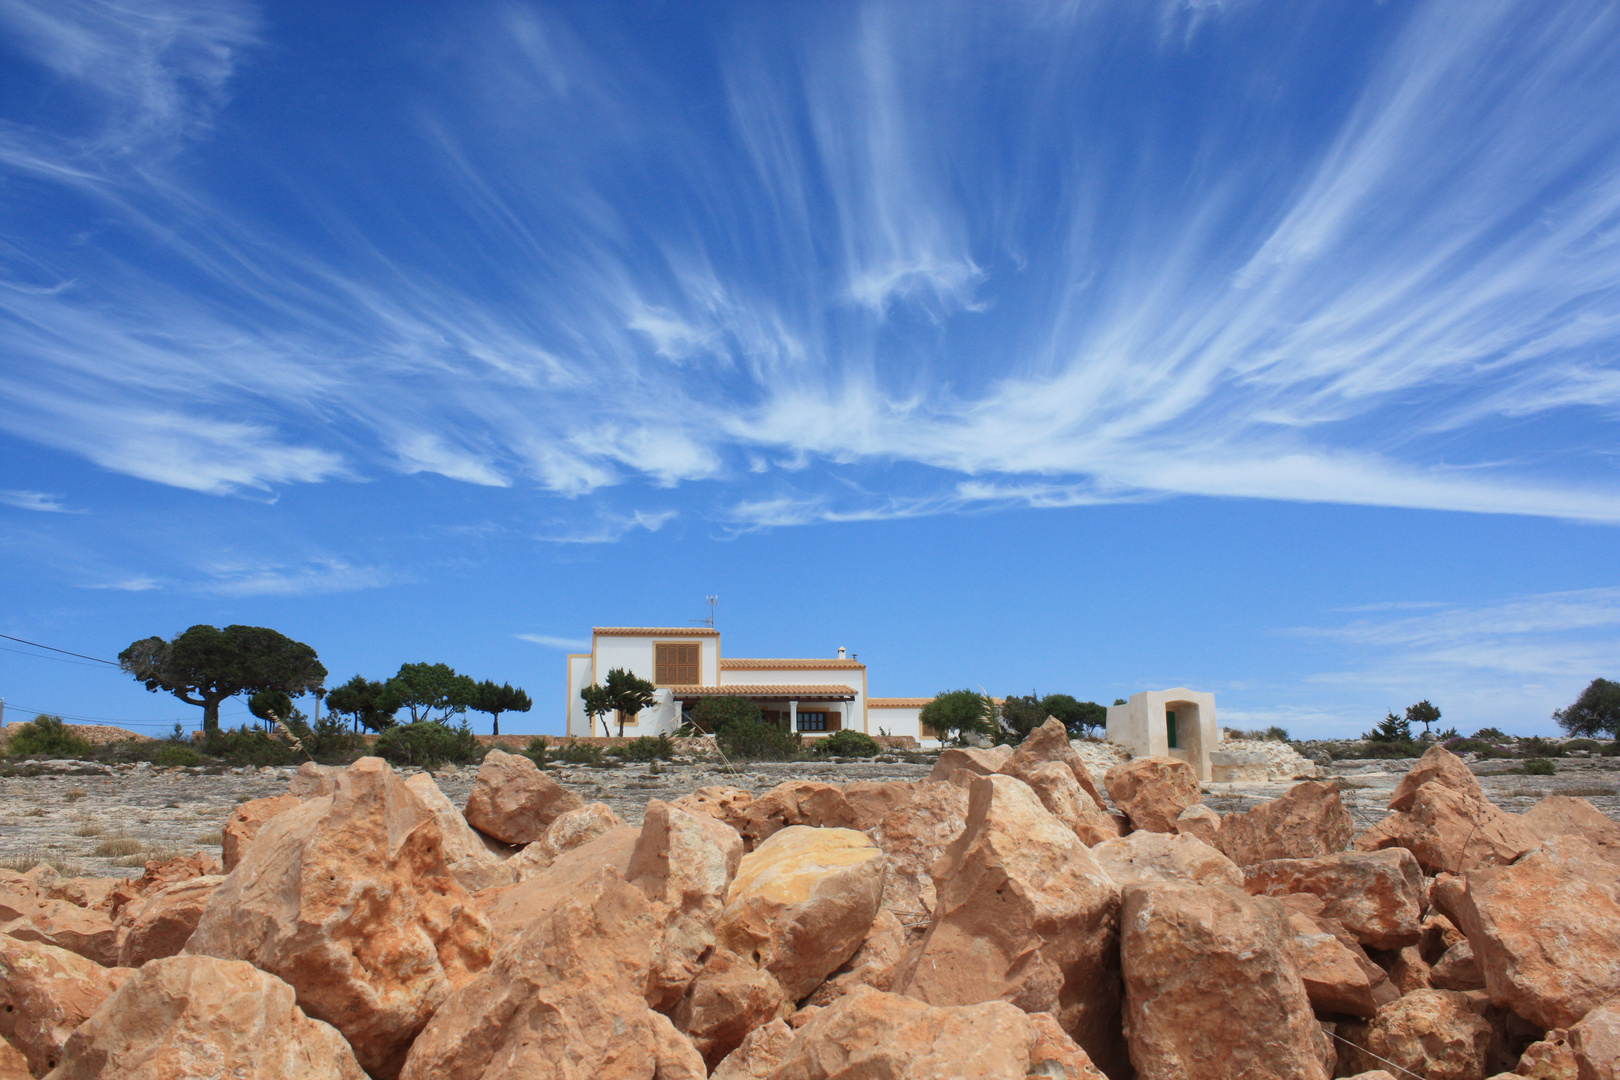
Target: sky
{"x":1264,"y":348}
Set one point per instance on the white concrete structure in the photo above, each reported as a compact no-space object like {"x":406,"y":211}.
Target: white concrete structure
{"x":1177,"y":723}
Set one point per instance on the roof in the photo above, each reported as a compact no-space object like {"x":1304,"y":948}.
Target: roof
{"x":790,"y":665}
{"x":654,"y":631}
{"x":785,"y":691}
{"x":897,"y":702}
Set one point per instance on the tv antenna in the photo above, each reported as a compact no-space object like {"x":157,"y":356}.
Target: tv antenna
{"x":709,"y":622}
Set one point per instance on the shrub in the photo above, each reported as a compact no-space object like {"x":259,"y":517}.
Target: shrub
{"x":537,"y":750}
{"x":712,"y":714}
{"x":848,"y":744}
{"x":48,"y":736}
{"x":959,"y":713}
{"x":756,"y":741}
{"x":1386,"y":750}
{"x":174,"y":754}
{"x":1537,"y":747}
{"x":1538,"y":766}
{"x":578,"y":753}
{"x":646,"y":748}
{"x":1490,"y":734}
{"x":1591,"y":746}
{"x":249,"y":746}
{"x":427,"y":744}
{"x":1465,"y":746}
{"x":329,"y":741}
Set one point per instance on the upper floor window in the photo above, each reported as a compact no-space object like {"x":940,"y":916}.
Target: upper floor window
{"x":676,"y":664}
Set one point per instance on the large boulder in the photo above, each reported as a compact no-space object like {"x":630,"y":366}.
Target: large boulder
{"x":45,"y":994}
{"x":802,"y":903}
{"x":913,"y":836}
{"x":1201,"y":822}
{"x":1437,"y":766}
{"x":314,"y":780}
{"x":1054,"y":784}
{"x":573,"y":829}
{"x":510,"y":908}
{"x":513,"y":801}
{"x":1452,"y":831}
{"x":465,"y":852}
{"x":1546,"y":931}
{"x":1153,"y":856}
{"x":1024,"y":915}
{"x":809,"y":803}
{"x":1457,"y":969}
{"x":246,"y":821}
{"x":120,"y":902}
{"x":87,"y":932}
{"x":1563,"y":815}
{"x":1338,"y":977}
{"x":1050,"y":743}
{"x":348,"y":898}
{"x":1307,"y":821}
{"x":729,"y":998}
{"x":1596,"y":1043}
{"x":1212,"y":986}
{"x":984,"y":762}
{"x":874,"y":964}
{"x":758,"y":1055}
{"x":1377,"y":896}
{"x":165,"y":920}
{"x":878,"y":1036}
{"x":1430,"y":1033}
{"x":13,"y":1066}
{"x":197,"y":1016}
{"x":1152,"y":791}
{"x":565,"y":999}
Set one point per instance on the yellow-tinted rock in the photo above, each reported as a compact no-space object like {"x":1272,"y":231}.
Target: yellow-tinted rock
{"x":513,"y":801}
{"x":45,"y":994}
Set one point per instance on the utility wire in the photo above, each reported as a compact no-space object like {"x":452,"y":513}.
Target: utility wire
{"x":52,"y":659}
{"x":53,"y":648}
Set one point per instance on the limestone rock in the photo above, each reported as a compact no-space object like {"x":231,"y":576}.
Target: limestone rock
{"x":874,"y":963}
{"x":1457,"y":969}
{"x":878,"y":1036}
{"x":1546,"y":931}
{"x":89,"y":933}
{"x":757,"y":1057}
{"x":869,"y":803}
{"x":1596,"y":1043}
{"x":797,"y":802}
{"x":565,"y":999}
{"x":1024,"y":915}
{"x":679,"y":863}
{"x":1153,"y":791}
{"x":1437,"y":766}
{"x":13,"y":1066}
{"x":982,"y":761}
{"x":510,"y":908}
{"x":1153,"y":856}
{"x":913,"y":836}
{"x":723,"y":803}
{"x":156,"y":875}
{"x":1212,"y":986}
{"x":1452,"y":831}
{"x":1439,"y":934}
{"x":246,"y":821}
{"x":729,"y":998}
{"x":1200,"y":822}
{"x":314,"y":781}
{"x":1336,"y":979}
{"x":1433,"y":1033}
{"x":165,"y":920}
{"x":513,"y":801}
{"x":45,"y":994}
{"x":1407,"y":969}
{"x":1562,"y":815}
{"x":1050,"y":743}
{"x":197,"y":1016}
{"x":1551,"y":1058}
{"x":568,"y":832}
{"x":348,"y":898}
{"x":1376,"y":895}
{"x":1054,"y":784}
{"x":470,"y":860}
{"x":802,"y":903}
{"x":1309,"y":820}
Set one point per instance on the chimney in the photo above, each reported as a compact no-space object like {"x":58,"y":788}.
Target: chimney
{"x":840,"y":652}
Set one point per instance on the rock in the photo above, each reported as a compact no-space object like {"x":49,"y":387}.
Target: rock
{"x":348,"y":898}
{"x":510,"y":908}
{"x":874,"y":963}
{"x":869,"y":803}
{"x":1432,"y":1033}
{"x":79,"y":891}
{"x":1153,"y":856}
{"x":314,"y":781}
{"x":45,"y":994}
{"x":1308,"y":821}
{"x":1054,"y":784}
{"x":197,"y":1016}
{"x":1376,"y":895}
{"x":1452,"y":831}
{"x":13,"y":1066}
{"x":246,"y":821}
{"x":1336,"y":979}
{"x":913,"y":836}
{"x":158,"y":873}
{"x":568,"y":832}
{"x":1457,"y":969}
{"x":680,"y":864}
{"x":470,"y":860}
{"x":1437,"y":766}
{"x":1212,"y":986}
{"x":1047,"y":744}
{"x":89,"y":933}
{"x":513,"y":801}
{"x":1407,"y":969}
{"x":796,"y":802}
{"x":1439,"y":934}
{"x":802,"y":903}
{"x":165,"y":920}
{"x":878,"y":1036}
{"x":1200,"y":822}
{"x":566,"y":998}
{"x":727,"y":804}
{"x":1546,"y":931}
{"x":984,"y":762}
{"x":1561,"y":815}
{"x":729,"y":998}
{"x":1024,"y":915}
{"x":1596,"y":1043}
{"x":757,"y":1057}
{"x":1153,"y":791}
{"x":1551,"y":1058}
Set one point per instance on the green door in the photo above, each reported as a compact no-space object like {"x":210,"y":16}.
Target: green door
{"x":1170,"y":726}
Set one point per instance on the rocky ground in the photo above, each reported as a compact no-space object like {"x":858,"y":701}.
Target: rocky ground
{"x":67,"y":816}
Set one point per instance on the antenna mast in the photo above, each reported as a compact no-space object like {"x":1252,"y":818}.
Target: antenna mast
{"x":709,"y":622}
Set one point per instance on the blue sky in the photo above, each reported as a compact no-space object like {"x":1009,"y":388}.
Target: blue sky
{"x":1264,"y":348}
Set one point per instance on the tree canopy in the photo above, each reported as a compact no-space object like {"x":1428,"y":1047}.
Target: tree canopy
{"x":205,"y":665}
{"x":714,"y":713}
{"x":958,"y":713}
{"x":629,"y":693}
{"x":1391,"y":729}
{"x":597,"y":703}
{"x":369,"y":703}
{"x":494,"y":700}
{"x":1595,"y":712}
{"x":1022,"y":715}
{"x":432,"y":691}
{"x":1422,"y":713}
{"x":1079,"y":717}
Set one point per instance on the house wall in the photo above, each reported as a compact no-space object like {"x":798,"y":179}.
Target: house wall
{"x":579,"y":677}
{"x":1141,"y":726}
{"x":635,"y":654}
{"x":853,"y":714}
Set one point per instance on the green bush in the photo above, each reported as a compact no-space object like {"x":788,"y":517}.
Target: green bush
{"x":578,"y":753}
{"x":646,"y":748}
{"x":249,"y":746}
{"x":1276,"y":734}
{"x":1490,"y":734}
{"x":1537,"y":766}
{"x":847,"y":744}
{"x":1611,"y":749}
{"x":537,"y":750}
{"x":1386,"y":750}
{"x":428,"y":744}
{"x":1591,"y":746}
{"x":46,"y":736}
{"x":1537,"y":747}
{"x":712,"y":714}
{"x":1464,"y":746}
{"x":756,"y":741}
{"x":175,"y":754}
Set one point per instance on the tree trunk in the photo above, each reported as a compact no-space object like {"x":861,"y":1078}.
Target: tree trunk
{"x":497,"y":723}
{"x":210,"y":717}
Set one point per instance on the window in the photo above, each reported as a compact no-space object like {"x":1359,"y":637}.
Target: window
{"x":812,"y":721}
{"x":1170,"y":724}
{"x":676,"y":664}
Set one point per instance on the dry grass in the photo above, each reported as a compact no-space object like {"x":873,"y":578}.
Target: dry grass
{"x":118,"y":846}
{"x":1589,"y":791}
{"x":89,"y":828}
{"x":160,"y":854}
{"x":211,"y":839}
{"x":73,"y":795}
{"x":1349,"y":785}
{"x":204,"y":811}
{"x":32,"y":857}
{"x":38,"y":811}
{"x":1522,"y":792}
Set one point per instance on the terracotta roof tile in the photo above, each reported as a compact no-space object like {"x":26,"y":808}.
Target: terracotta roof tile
{"x":789,"y":665}
{"x":654,"y":631}
{"x":779,"y":690}
{"x":897,"y":702}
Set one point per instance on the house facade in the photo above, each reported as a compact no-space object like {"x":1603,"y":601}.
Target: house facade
{"x":814,"y":696}
{"x":1178,"y":723}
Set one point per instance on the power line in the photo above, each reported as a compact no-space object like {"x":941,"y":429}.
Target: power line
{"x":117,"y":719}
{"x":53,"y":648}
{"x":52,"y":659}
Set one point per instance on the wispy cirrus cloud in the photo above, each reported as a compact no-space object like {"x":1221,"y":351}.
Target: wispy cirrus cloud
{"x":36,"y":500}
{"x":321,"y":575}
{"x":568,"y":644}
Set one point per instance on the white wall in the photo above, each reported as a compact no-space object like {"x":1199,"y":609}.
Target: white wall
{"x":1141,"y":727}
{"x":579,"y":677}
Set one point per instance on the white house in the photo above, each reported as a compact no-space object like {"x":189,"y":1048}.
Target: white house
{"x":1177,"y":723}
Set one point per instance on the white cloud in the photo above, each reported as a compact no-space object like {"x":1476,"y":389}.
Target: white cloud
{"x":321,"y":575}
{"x":608,"y":528}
{"x":131,"y":584}
{"x":567,"y":644}
{"x":36,"y":500}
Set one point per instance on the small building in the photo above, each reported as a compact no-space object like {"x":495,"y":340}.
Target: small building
{"x":1177,"y":723}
